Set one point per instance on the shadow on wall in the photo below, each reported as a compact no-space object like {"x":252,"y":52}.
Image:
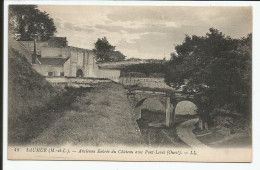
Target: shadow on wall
{"x":185,"y":108}
{"x":153,"y":104}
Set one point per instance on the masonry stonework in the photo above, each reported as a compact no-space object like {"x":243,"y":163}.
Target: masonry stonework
{"x":57,"y":59}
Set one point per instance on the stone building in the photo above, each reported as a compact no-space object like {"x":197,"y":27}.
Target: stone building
{"x":56,"y":59}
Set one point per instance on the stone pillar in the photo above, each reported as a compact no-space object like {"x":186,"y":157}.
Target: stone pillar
{"x":137,"y":112}
{"x":169,"y":113}
{"x":200,"y":124}
{"x":34,"y":55}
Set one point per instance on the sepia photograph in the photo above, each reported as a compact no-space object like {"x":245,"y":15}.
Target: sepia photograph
{"x":130,"y":83}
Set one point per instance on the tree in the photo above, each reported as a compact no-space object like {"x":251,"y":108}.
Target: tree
{"x":105,"y":52}
{"x":117,"y":56}
{"x":27,"y":21}
{"x":173,"y":56}
{"x":218,"y":69}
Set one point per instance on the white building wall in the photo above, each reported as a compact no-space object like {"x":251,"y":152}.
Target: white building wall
{"x":73,"y":63}
{"x":47,"y":52}
{"x":91,"y":66}
{"x":65,"y":52}
{"x":30,"y":45}
{"x":67,"y":68}
{"x":45,"y":69}
{"x":109,"y":74}
{"x":80,"y":60}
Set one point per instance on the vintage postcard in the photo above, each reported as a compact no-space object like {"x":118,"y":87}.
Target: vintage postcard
{"x":130,"y":83}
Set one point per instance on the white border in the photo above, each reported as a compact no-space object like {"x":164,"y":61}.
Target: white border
{"x":68,"y":165}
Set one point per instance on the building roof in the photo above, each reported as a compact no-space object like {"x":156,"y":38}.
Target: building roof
{"x":52,"y":61}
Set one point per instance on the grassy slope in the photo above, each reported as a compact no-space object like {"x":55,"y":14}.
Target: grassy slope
{"x":102,"y":116}
{"x":29,"y":94}
{"x":41,"y":114}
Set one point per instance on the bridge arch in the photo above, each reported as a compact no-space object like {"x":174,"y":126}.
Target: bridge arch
{"x":140,"y":102}
{"x":148,"y":101}
{"x":169,"y":99}
{"x":194,"y":107}
{"x":185,"y":107}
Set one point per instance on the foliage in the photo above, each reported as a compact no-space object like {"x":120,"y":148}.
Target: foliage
{"x":117,"y":56}
{"x":147,"y":69}
{"x":105,"y":52}
{"x":217,"y":68}
{"x":28,"y":21}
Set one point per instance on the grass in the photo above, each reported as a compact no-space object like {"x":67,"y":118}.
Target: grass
{"x":221,"y":137}
{"x":227,"y":130}
{"x":42,"y":114}
{"x":31,"y":100}
{"x":99,"y":117}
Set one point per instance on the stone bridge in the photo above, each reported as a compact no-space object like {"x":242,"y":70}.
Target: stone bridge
{"x":168,"y":98}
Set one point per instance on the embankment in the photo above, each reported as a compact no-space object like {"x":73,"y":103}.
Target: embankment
{"x":99,"y":117}
{"x":41,"y":114}
{"x":31,"y":100}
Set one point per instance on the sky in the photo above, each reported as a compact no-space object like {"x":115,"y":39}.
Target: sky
{"x":145,"y":31}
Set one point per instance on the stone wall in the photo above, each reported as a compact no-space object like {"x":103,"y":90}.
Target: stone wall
{"x":91,"y":66}
{"x":45,"y":69}
{"x":67,"y":68}
{"x":78,"y":59}
{"x":111,"y":65}
{"x":30,"y":45}
{"x":109,"y":74}
{"x":145,"y":82}
{"x":44,"y":50}
{"x":74,"y":81}
{"x":65,"y":52}
{"x":73,"y":63}
{"x":47,"y":52}
{"x":84,"y":60}
{"x":52,"y":52}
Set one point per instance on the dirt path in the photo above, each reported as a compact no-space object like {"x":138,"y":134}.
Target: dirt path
{"x":184,"y":131}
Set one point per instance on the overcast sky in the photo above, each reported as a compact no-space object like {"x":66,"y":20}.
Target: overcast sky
{"x":145,"y":32}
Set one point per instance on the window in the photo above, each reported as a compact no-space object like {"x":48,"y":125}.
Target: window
{"x":50,"y":74}
{"x":62,"y":74}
